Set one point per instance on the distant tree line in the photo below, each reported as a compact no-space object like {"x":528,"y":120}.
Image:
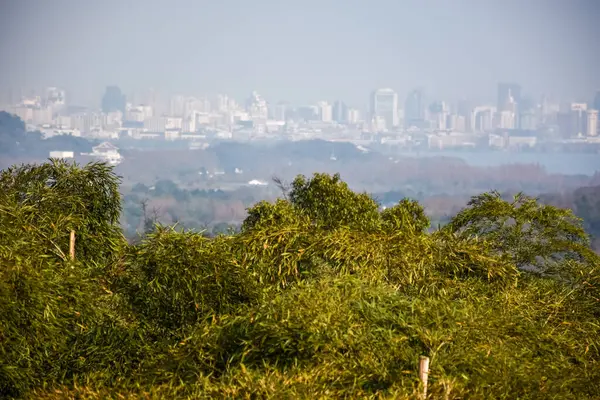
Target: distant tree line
{"x":16,"y":141}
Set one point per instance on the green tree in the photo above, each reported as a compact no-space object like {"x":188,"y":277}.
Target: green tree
{"x":531,"y":234}
{"x":47,"y":301}
{"x":406,"y":216}
{"x":86,"y":199}
{"x":330,"y":203}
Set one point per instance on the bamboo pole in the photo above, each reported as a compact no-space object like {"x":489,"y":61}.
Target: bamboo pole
{"x":72,"y":245}
{"x":424,"y":373}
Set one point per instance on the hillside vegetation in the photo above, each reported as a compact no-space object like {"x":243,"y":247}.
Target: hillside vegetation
{"x":321,"y":295}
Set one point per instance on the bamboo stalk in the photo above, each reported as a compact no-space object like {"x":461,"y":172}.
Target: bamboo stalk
{"x":72,"y":245}
{"x":424,"y":373}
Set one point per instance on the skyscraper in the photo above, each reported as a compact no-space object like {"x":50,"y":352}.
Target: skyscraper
{"x":325,"y":111}
{"x":384,"y":104}
{"x":340,"y":112}
{"x":509,"y":99}
{"x":506,"y":91}
{"x":257,"y":106}
{"x":113,"y":100}
{"x":414,"y":109}
{"x":578,"y":119}
{"x":177,"y":106}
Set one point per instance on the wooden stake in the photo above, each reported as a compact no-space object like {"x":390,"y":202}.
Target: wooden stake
{"x":424,"y":373}
{"x":72,"y":245}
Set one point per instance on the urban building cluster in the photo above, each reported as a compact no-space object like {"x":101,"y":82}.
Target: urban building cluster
{"x":515,"y":121}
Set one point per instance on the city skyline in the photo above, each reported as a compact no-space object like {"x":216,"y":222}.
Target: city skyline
{"x":180,"y":114}
{"x":302,"y":52}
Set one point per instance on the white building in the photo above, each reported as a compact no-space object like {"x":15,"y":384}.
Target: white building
{"x":482,"y":118}
{"x":384,"y":103}
{"x":172,"y":134}
{"x":173,"y":123}
{"x":353,"y":116}
{"x":506,"y":119}
{"x":55,"y":97}
{"x":222,"y":103}
{"x":57,"y":131}
{"x":139,"y":113}
{"x":61,"y":154}
{"x":189,"y":123}
{"x":24,"y":112}
{"x":257,"y":106}
{"x":155,"y":124}
{"x":325,"y":111}
{"x":443,"y":141}
{"x":42,"y":115}
{"x":107,"y":152}
{"x":85,"y":123}
{"x":256,"y":182}
{"x":112,"y":120}
{"x":63,"y":121}
{"x":592,"y":123}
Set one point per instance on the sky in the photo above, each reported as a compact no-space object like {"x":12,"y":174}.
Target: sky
{"x":302,"y":51}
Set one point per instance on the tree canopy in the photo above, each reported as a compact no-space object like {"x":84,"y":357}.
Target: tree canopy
{"x":16,"y":141}
{"x":320,"y":295}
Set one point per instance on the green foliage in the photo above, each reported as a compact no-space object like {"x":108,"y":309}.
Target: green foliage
{"x":46,"y":300}
{"x":320,"y":295}
{"x":176,"y":279}
{"x":406,"y":216}
{"x":267,"y":215}
{"x":59,"y":195}
{"x":329,"y":203}
{"x":531,"y":234}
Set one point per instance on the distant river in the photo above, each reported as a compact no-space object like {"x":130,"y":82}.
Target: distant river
{"x":558,"y":163}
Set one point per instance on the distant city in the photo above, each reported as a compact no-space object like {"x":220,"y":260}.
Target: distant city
{"x":515,"y":123}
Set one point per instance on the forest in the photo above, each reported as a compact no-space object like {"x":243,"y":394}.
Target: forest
{"x":321,"y":294}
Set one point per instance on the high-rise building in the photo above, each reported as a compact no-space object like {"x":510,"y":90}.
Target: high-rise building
{"x":86,"y":122}
{"x":463,"y":109}
{"x":113,"y":100}
{"x":257,"y":106}
{"x":353,"y":116}
{"x":414,"y":109}
{"x":307,"y":113}
{"x":460,"y":124}
{"x":340,"y":112}
{"x":529,"y":120}
{"x":42,"y":115}
{"x":384,"y":104}
{"x":155,"y":124}
{"x":177,"y":106}
{"x":325,"y":111}
{"x":222,"y":103}
{"x":483,"y":118}
{"x":438,"y":114}
{"x":509,"y":99}
{"x":506,"y":119}
{"x":189,"y":123}
{"x":592,"y":123}
{"x":54,"y":97}
{"x":507,"y":91}
{"x":279,"y":112}
{"x":596,"y":103}
{"x":578,"y":119}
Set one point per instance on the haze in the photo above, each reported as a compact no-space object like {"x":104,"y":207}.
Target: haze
{"x":301,"y":51}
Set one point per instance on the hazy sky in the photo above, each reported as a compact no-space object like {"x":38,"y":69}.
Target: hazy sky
{"x":302,"y":51}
